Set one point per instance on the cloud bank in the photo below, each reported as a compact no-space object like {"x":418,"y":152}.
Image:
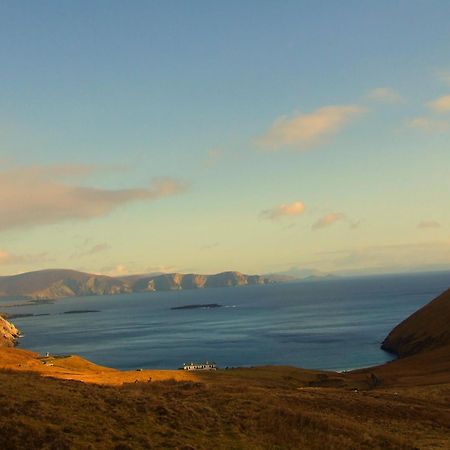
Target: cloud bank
{"x":37,"y":195}
{"x":302,"y":131}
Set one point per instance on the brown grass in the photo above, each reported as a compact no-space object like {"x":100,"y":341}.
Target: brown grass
{"x":76,"y":368}
{"x":260,"y":408}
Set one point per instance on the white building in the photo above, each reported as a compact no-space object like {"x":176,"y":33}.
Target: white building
{"x":200,"y":366}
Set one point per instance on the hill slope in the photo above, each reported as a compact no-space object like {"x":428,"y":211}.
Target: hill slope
{"x":426,"y":329}
{"x":58,"y":283}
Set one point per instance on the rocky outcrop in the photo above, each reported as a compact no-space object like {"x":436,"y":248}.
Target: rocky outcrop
{"x":426,"y":329}
{"x":8,"y":333}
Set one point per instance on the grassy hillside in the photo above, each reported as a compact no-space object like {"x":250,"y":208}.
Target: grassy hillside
{"x":261,"y":409}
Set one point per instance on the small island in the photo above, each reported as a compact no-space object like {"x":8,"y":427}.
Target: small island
{"x":200,"y":306}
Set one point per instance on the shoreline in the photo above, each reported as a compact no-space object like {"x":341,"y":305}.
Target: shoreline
{"x":76,"y":368}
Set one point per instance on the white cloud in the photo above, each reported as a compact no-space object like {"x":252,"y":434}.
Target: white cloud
{"x":37,"y":195}
{"x":283,"y":210}
{"x":441,"y":104}
{"x":385,"y":94}
{"x":302,"y":131}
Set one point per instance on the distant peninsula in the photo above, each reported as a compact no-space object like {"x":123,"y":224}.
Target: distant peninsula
{"x":53,"y":284}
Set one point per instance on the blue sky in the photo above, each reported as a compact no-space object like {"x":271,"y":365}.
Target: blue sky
{"x":207,"y":136}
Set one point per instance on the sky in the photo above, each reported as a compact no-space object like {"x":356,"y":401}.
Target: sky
{"x":203,"y":136}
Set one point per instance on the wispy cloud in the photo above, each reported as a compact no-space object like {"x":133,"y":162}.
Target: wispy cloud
{"x":283,"y":210}
{"x":429,"y":124}
{"x":8,"y":258}
{"x":389,"y":258}
{"x":440,"y":105}
{"x":444,"y":76}
{"x":37,"y":195}
{"x":428,"y":224}
{"x":214,"y":155}
{"x":302,"y":131}
{"x":93,"y":250}
{"x":327,"y":220}
{"x":210,"y":246}
{"x":385,"y":94}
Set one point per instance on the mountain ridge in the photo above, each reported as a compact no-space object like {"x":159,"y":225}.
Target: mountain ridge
{"x":52,"y":284}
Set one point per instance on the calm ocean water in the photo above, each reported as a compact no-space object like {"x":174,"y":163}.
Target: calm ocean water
{"x":330,"y":324}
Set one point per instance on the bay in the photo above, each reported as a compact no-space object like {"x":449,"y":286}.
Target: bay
{"x":334,"y":324}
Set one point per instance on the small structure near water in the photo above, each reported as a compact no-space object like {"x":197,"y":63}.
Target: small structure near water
{"x":200,"y":366}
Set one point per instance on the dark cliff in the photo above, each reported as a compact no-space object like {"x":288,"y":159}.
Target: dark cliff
{"x":426,"y":329}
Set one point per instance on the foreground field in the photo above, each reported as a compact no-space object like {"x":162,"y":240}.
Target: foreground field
{"x":260,"y":408}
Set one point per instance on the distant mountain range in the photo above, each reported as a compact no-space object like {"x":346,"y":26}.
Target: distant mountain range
{"x":58,"y":283}
{"x":297,"y":273}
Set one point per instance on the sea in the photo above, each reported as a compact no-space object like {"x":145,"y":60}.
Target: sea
{"x":335,"y":324}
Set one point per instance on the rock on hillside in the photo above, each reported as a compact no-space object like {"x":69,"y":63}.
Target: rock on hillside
{"x":426,"y":329}
{"x":8,"y":333}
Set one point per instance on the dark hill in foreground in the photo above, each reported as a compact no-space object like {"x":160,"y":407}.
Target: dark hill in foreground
{"x":426,"y":329}
{"x":59,"y":283}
